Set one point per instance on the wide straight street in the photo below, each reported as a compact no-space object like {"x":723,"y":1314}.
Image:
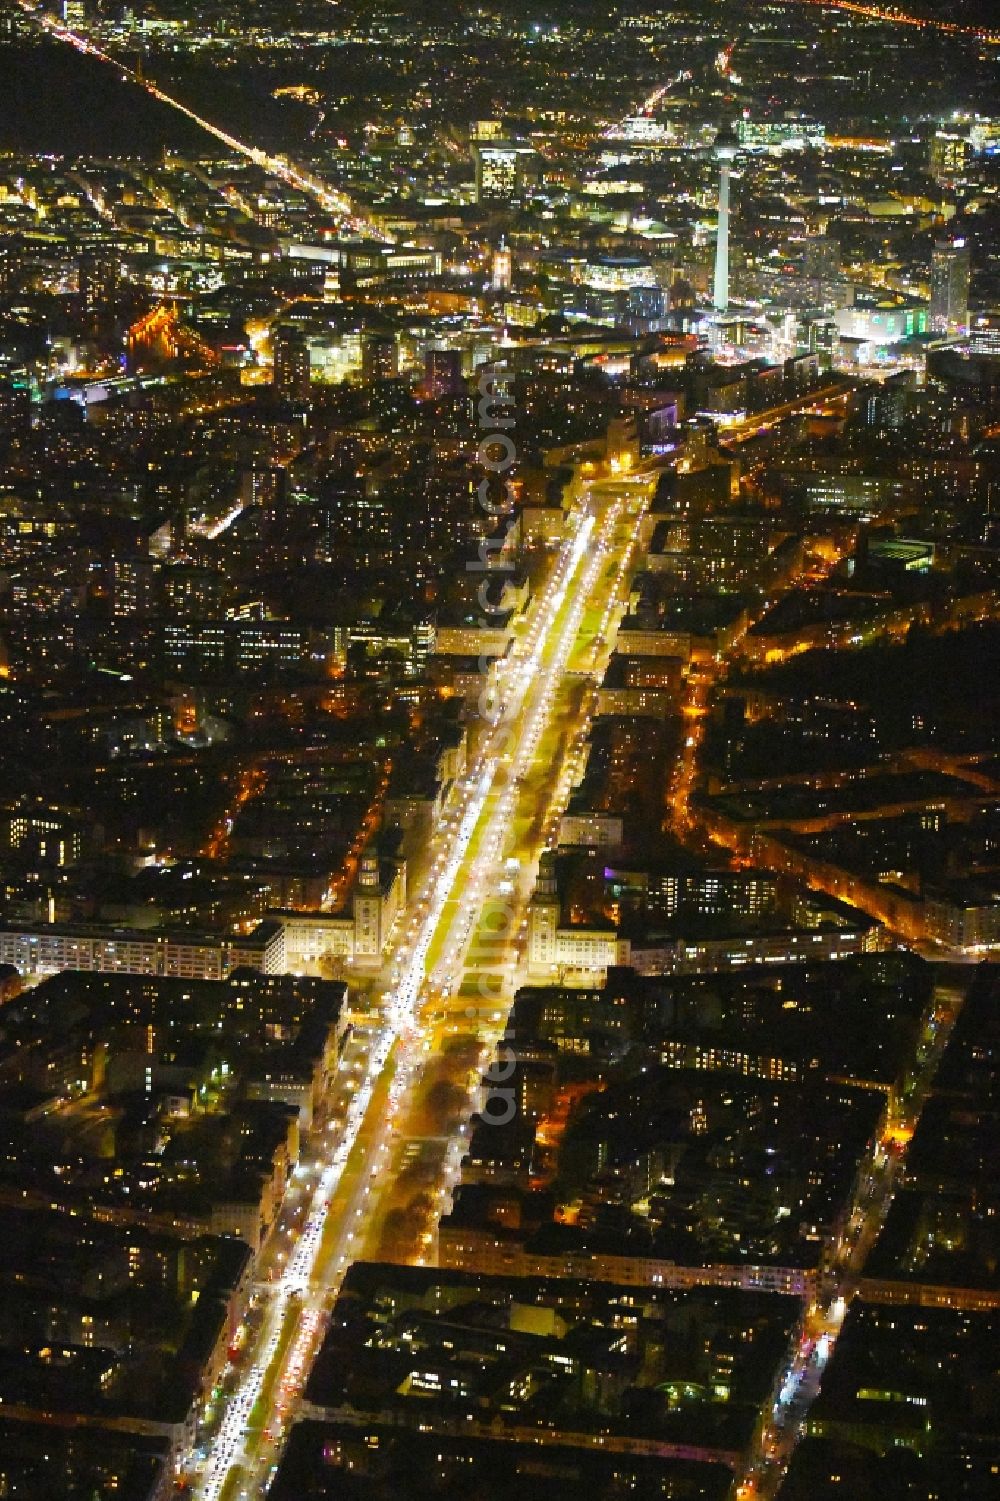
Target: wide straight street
{"x":448,"y":982}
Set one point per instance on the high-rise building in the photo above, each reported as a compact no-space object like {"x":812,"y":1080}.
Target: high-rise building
{"x":190,"y":592}
{"x":498,"y":171}
{"x":266,"y":486}
{"x":502,"y":270}
{"x":10,"y":268}
{"x":15,"y":408}
{"x":821,"y":267}
{"x":724,"y":151}
{"x":291,"y":363}
{"x":646,"y":309}
{"x":950,"y":271}
{"x":379,"y":358}
{"x":948,"y":156}
{"x":824,"y":336}
{"x":443,"y":373}
{"x":99,"y":276}
{"x":133,"y":582}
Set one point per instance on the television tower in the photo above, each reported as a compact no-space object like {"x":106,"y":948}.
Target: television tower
{"x":724,"y":151}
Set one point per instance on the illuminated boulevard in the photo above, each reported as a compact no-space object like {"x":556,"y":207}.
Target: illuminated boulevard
{"x":892,"y":15}
{"x":471,"y":903}
{"x":450,"y":977}
{"x":279,"y":166}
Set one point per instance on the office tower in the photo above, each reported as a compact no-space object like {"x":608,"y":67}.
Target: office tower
{"x":497,"y":171}
{"x":291,"y":363}
{"x":724,"y":151}
{"x":646,"y":308}
{"x":948,"y":156}
{"x":949,"y":288}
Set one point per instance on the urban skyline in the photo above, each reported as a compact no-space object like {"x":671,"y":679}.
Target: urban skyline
{"x":499,"y":782}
